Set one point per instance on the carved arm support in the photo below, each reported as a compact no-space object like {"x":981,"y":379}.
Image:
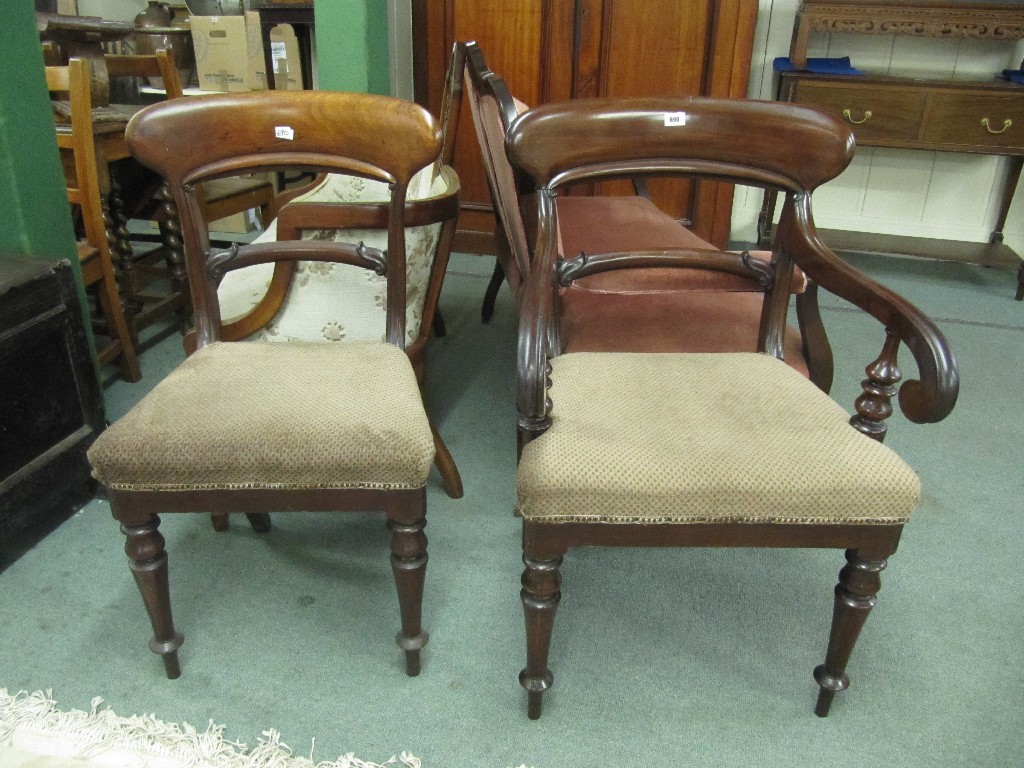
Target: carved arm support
{"x":536,"y":322}
{"x":927,"y":399}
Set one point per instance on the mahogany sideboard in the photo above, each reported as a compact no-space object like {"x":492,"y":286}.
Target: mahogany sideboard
{"x":983,"y":116}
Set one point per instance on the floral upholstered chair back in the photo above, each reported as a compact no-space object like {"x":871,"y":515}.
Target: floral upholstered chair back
{"x":332,"y":302}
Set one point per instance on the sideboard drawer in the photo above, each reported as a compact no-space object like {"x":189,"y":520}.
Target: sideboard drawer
{"x":873,"y":114}
{"x":971,"y":119}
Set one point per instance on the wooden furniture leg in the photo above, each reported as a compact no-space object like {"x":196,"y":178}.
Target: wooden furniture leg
{"x":540,"y":595}
{"x":1005,"y":199}
{"x":856,"y":594}
{"x":491,"y":295}
{"x":406,"y":521}
{"x":450,"y":477}
{"x":145,"y":547}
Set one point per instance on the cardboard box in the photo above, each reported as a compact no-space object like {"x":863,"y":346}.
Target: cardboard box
{"x":284,"y":50}
{"x":257,"y":68}
{"x":222,"y":61}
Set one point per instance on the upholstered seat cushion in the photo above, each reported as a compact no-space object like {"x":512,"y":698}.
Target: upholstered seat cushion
{"x":703,"y":438}
{"x":264,"y":415}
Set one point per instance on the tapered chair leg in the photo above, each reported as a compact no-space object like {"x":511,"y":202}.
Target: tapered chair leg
{"x":540,"y":595}
{"x":409,"y":565}
{"x":145,"y":548}
{"x":856,"y":594}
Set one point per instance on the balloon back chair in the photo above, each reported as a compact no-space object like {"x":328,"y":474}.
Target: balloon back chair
{"x":306,"y":301}
{"x":703,"y":449}
{"x":258,"y":427}
{"x":645,"y":309}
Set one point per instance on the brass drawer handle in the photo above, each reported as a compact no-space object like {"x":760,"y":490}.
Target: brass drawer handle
{"x":849,"y":116}
{"x":1006,"y":124}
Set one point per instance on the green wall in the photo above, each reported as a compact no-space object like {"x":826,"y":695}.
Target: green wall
{"x":352,"y":45}
{"x":32,"y":194}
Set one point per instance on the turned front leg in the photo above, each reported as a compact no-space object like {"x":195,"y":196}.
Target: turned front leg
{"x":856,"y":594}
{"x":145,"y":547}
{"x":540,"y":595}
{"x":409,"y":565}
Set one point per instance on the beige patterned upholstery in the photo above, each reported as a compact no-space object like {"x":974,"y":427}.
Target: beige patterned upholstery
{"x":704,"y":438}
{"x":196,"y":429}
{"x":335,"y":302}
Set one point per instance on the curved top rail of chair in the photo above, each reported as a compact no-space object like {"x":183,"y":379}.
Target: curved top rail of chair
{"x":557,"y":142}
{"x":371,"y":131}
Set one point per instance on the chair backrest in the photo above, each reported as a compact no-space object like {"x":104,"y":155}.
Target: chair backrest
{"x":781,"y":147}
{"x":71,"y":83}
{"x":750,"y":142}
{"x":188,"y":141}
{"x":159,"y":64}
{"x":493,"y":110}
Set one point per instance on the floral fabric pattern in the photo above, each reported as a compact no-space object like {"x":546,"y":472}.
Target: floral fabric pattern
{"x":334,"y":302}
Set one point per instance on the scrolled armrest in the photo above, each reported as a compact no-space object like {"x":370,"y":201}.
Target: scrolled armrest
{"x":931,"y":397}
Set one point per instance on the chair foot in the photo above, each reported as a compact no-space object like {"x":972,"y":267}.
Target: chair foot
{"x":412,"y":647}
{"x":856,"y":594}
{"x":219,"y":521}
{"x":535,"y":688}
{"x":260,"y":521}
{"x":830,"y":686}
{"x":540,"y":596}
{"x":168,"y":653}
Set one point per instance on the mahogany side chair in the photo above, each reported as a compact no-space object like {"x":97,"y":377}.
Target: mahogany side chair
{"x":80,"y":159}
{"x":706,"y":449}
{"x":257,"y":427}
{"x":650,"y":309}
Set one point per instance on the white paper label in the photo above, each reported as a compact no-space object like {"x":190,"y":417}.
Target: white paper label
{"x":284,"y":132}
{"x":675,"y":118}
{"x":278,"y":54}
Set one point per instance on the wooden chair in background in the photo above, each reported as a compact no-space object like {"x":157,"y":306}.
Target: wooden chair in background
{"x":76,"y":143}
{"x":147,"y":198}
{"x":260,"y":427}
{"x":729,"y":449}
{"x":637,"y":310}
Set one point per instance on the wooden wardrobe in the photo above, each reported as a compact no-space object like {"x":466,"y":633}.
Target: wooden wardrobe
{"x":551,"y":50}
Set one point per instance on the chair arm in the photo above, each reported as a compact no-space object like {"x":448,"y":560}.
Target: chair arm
{"x":536,"y":334}
{"x":931,"y":397}
{"x":300,"y":215}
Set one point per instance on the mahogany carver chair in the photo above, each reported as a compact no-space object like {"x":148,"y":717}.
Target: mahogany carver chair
{"x":299,"y":301}
{"x":730,"y":449}
{"x":143,"y":195}
{"x":77,"y":147}
{"x":682,"y":310}
{"x":257,"y":427}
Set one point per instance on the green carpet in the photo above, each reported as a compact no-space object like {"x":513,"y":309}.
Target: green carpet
{"x":673,"y":657}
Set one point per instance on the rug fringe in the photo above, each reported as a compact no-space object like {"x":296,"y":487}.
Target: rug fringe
{"x":32,"y":721}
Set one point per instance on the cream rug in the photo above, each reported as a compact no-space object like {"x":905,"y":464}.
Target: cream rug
{"x":34,"y":733}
